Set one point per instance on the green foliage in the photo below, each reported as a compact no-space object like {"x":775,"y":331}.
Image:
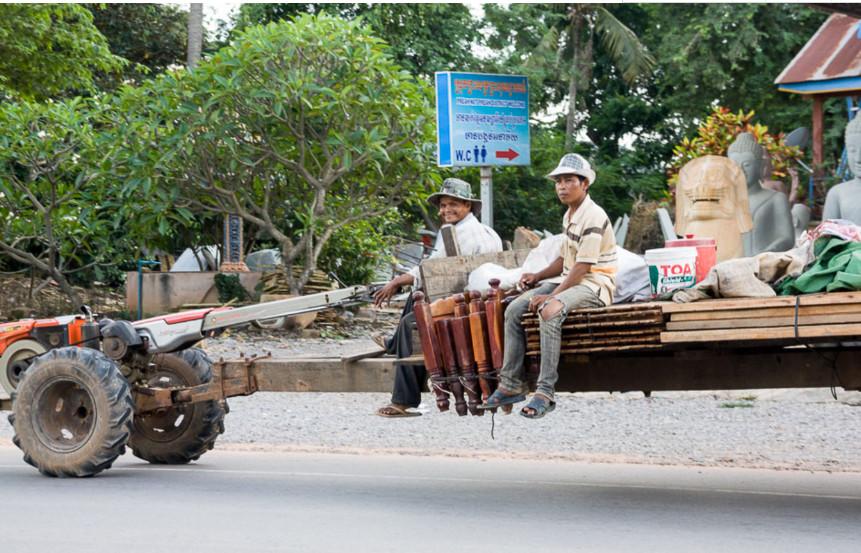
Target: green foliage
{"x":151,"y":36}
{"x":49,"y":50}
{"x":355,"y":251}
{"x":729,"y":55}
{"x":412,"y":31}
{"x":53,"y":214}
{"x":230,"y":288}
{"x":302,"y":128}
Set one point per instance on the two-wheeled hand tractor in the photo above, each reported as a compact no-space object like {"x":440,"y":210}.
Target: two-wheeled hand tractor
{"x":83,"y":387}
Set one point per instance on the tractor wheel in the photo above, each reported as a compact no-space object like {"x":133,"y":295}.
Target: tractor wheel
{"x":178,"y":435}
{"x":14,"y":362}
{"x":72,"y":412}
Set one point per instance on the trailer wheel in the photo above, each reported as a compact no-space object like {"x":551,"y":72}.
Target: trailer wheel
{"x":181,"y":434}
{"x":72,"y":413}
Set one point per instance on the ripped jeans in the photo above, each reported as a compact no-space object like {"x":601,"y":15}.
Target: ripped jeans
{"x":513,"y":374}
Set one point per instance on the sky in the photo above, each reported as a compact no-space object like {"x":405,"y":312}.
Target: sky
{"x":215,"y":11}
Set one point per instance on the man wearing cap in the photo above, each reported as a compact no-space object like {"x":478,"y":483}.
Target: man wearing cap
{"x":583,"y":275}
{"x":456,"y":207}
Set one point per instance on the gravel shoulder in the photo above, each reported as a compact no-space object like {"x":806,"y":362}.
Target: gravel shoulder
{"x":782,"y":429}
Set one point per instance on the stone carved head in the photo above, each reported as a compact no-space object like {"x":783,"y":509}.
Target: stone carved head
{"x":853,"y":145}
{"x":748,"y":154}
{"x":712,"y":188}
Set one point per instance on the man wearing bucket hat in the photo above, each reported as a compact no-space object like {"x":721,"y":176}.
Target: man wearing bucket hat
{"x":459,"y":208}
{"x":582,"y":276}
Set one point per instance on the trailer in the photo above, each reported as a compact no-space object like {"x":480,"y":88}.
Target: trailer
{"x":99,"y":385}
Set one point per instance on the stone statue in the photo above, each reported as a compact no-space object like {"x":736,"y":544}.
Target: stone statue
{"x":844,"y":200}
{"x":772,"y":221}
{"x":711,"y":202}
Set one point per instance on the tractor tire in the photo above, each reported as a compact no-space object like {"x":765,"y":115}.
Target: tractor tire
{"x":11,"y":362}
{"x":72,"y":413}
{"x":178,"y":435}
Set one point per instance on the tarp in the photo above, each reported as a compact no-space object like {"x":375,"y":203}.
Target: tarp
{"x":837,"y":268}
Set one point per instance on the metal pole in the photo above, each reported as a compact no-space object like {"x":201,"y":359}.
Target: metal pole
{"x":487,"y":196}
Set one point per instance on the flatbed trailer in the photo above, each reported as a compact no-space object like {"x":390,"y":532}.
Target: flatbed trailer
{"x":146,"y":384}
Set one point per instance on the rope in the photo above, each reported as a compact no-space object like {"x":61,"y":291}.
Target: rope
{"x":835,"y":375}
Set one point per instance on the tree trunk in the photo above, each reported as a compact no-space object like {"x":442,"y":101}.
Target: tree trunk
{"x":575,"y":28}
{"x":67,"y":288}
{"x":195,"y":34}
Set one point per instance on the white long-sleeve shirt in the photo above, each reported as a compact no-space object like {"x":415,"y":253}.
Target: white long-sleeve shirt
{"x":473,"y":238}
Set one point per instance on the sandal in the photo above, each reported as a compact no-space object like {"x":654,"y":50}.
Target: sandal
{"x":393,"y":411}
{"x":499,"y":398}
{"x":540,"y":405}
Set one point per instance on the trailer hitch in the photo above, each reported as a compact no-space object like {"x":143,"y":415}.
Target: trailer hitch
{"x":228,"y":380}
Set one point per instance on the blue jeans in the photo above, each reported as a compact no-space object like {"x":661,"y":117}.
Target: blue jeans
{"x":513,"y":375}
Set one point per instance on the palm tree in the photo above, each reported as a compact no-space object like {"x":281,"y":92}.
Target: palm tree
{"x":195,"y":34}
{"x":627,"y":52}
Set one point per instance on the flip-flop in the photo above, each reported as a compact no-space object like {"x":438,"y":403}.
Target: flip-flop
{"x":499,"y":398}
{"x":392,"y":411}
{"x":540,"y":406}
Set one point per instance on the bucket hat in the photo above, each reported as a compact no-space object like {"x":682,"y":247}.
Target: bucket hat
{"x":573,"y":164}
{"x":455,"y":188}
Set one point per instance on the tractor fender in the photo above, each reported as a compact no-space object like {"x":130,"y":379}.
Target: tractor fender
{"x":122,"y":330}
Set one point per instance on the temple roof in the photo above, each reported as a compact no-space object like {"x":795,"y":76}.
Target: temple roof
{"x":830,"y":61}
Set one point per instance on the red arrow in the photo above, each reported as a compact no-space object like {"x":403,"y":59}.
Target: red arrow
{"x":508,"y":154}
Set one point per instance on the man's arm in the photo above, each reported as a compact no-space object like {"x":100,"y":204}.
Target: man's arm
{"x":578,"y":271}
{"x":529,"y":280}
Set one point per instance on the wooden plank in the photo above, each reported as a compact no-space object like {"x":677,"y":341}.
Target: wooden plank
{"x":766,"y":312}
{"x":531,"y":318}
{"x":586,"y":336}
{"x":657,"y":322}
{"x":831,"y":298}
{"x":578,"y":345}
{"x":323,"y":375}
{"x":444,"y":276}
{"x":752,"y":334}
{"x":803,"y":320}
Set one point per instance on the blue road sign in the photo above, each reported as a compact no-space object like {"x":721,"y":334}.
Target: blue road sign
{"x":482,"y":120}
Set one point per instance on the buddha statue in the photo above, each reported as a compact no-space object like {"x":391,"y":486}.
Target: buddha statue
{"x":844,"y":200}
{"x":711,"y":202}
{"x":772,"y":221}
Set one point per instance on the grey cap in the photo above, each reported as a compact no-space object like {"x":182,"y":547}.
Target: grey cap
{"x":455,"y":188}
{"x":573,"y":164}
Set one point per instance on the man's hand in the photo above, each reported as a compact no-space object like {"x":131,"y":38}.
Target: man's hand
{"x":528,"y":280}
{"x":385,"y":293}
{"x":536,"y":302}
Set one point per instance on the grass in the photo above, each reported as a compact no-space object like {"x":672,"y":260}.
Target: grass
{"x":736,"y":405}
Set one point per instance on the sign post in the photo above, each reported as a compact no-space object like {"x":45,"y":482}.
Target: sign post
{"x":482,"y":121}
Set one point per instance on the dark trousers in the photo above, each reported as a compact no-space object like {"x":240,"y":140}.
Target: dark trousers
{"x":409,"y":379}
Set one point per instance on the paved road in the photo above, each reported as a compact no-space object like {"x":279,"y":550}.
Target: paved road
{"x":260,"y":502}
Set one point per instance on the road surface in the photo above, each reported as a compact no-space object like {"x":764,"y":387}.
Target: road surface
{"x":299,"y":502}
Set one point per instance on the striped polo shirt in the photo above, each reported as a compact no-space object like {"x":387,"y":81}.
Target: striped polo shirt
{"x":589,"y":238}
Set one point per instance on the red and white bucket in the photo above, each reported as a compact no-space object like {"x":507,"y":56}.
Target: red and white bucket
{"x":706,"y":252}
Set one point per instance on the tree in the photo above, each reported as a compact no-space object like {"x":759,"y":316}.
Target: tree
{"x":412,"y":31}
{"x":152,"y":37}
{"x":49,"y":50}
{"x":625,"y":50}
{"x":300,"y":127}
{"x":729,"y":55}
{"x":51,"y":214}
